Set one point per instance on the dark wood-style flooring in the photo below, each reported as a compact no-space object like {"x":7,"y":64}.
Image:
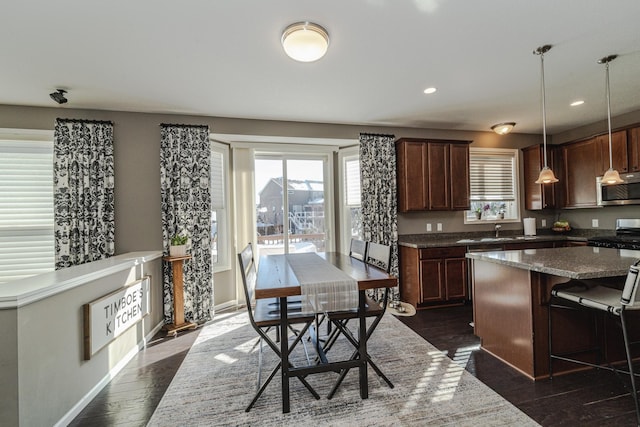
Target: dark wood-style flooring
{"x":592,"y":398}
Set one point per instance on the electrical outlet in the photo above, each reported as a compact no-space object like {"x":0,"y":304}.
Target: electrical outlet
{"x":439,"y":227}
{"x":428,"y":227}
{"x":594,"y":223}
{"x":544,"y":223}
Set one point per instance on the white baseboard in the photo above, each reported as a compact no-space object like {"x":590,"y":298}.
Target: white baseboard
{"x":78,"y":407}
{"x":225,"y":305}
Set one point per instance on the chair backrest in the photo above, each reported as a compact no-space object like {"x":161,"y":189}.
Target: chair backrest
{"x":379,"y":255}
{"x":248,"y":272}
{"x":630,"y":293}
{"x":358,"y":249}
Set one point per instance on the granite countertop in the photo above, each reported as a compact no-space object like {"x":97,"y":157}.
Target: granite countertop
{"x":582,"y":262}
{"x":438,"y":240}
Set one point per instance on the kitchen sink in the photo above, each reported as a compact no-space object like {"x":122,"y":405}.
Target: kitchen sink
{"x":486,"y":239}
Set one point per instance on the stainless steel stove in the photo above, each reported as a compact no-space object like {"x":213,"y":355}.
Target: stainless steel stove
{"x":627,"y":236}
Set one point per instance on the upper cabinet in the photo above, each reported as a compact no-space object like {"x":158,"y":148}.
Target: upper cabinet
{"x":432,"y":174}
{"x":634,"y":150}
{"x":577,"y":164}
{"x":585,"y":160}
{"x":619,"y":152}
{"x":538,"y":196}
{"x":581,"y":164}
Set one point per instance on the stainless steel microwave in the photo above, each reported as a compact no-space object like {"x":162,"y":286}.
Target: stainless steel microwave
{"x":626,"y":193}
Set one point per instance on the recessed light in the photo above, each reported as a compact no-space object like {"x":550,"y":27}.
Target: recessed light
{"x":430,"y":90}
{"x":576,"y":103}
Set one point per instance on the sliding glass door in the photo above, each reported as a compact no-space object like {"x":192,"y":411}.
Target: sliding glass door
{"x":292,"y":201}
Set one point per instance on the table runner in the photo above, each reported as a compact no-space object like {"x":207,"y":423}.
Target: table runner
{"x":324,"y":286}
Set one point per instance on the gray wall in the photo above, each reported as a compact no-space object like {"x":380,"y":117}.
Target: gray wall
{"x":42,"y":368}
{"x":137,"y":154}
{"x":9,"y":368}
{"x":137,"y":159}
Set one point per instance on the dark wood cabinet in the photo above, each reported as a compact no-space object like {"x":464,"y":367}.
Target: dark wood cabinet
{"x":538,"y":196}
{"x":460,"y":185}
{"x":581,"y":164}
{"x":432,"y":175}
{"x":438,"y":176}
{"x":433,"y":276}
{"x":634,"y":149}
{"x":438,"y":276}
{"x":619,"y":152}
{"x":585,"y":160}
{"x":411,"y":158}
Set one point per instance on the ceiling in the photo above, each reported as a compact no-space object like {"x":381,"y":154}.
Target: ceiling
{"x":224,"y":59}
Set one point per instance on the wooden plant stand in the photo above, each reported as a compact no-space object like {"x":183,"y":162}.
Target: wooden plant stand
{"x":178,"y":296}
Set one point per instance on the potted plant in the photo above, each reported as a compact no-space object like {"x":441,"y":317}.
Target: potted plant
{"x":178,"y":246}
{"x":501,"y":210}
{"x":478,"y":212}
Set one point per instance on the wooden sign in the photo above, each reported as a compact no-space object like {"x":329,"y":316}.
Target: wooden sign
{"x":109,"y":316}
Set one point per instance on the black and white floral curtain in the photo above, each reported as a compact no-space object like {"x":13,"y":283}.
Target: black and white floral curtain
{"x":378,"y":193}
{"x":84,"y":224}
{"x":185,"y":169}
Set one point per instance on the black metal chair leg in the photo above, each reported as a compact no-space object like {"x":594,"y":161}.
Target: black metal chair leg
{"x":264,"y":386}
{"x":337,"y":384}
{"x":379,"y":372}
{"x":630,"y":364}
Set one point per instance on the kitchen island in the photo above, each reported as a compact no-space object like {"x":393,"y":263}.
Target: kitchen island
{"x":510,"y":293}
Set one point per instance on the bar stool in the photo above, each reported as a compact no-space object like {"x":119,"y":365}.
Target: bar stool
{"x":591,"y":296}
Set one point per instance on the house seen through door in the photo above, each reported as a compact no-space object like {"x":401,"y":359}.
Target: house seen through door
{"x":291,"y":204}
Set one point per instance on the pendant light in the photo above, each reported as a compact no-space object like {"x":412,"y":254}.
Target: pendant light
{"x":611,"y":176}
{"x":546,"y":174}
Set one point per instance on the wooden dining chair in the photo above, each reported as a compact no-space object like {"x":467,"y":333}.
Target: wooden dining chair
{"x":379,"y":256}
{"x":263,"y":317}
{"x":594,"y":297}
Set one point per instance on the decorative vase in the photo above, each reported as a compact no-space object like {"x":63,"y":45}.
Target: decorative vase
{"x":178,"y":250}
{"x":478,"y":215}
{"x":501,"y":215}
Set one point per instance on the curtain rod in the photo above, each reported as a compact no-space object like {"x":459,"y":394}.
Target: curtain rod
{"x":180,"y":125}
{"x":85,"y":121}
{"x":378,"y":134}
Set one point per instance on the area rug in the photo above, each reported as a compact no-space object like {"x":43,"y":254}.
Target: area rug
{"x":216,"y":381}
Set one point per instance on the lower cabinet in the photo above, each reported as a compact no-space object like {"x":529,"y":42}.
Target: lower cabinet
{"x":433,"y":276}
{"x":439,"y":276}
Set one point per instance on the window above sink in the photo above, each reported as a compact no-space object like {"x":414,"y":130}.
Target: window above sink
{"x":494,"y":186}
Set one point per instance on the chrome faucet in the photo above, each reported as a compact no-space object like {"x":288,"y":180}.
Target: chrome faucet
{"x":498,"y":227}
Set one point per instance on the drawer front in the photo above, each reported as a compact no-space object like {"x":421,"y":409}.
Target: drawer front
{"x":448,"y":252}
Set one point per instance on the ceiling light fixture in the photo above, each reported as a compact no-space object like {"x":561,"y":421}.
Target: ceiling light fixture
{"x":546,"y":174}
{"x":576,"y":103}
{"x":430,"y":90}
{"x":58,"y":96}
{"x":611,"y":176}
{"x":503,"y":128}
{"x":305,"y":41}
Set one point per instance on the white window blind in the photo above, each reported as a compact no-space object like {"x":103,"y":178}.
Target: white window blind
{"x":220,"y":232}
{"x":352,"y":182}
{"x":26,"y":209}
{"x":217,"y":180}
{"x":492,"y":176}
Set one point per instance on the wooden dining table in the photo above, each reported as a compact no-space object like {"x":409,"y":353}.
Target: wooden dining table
{"x":276,"y":279}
